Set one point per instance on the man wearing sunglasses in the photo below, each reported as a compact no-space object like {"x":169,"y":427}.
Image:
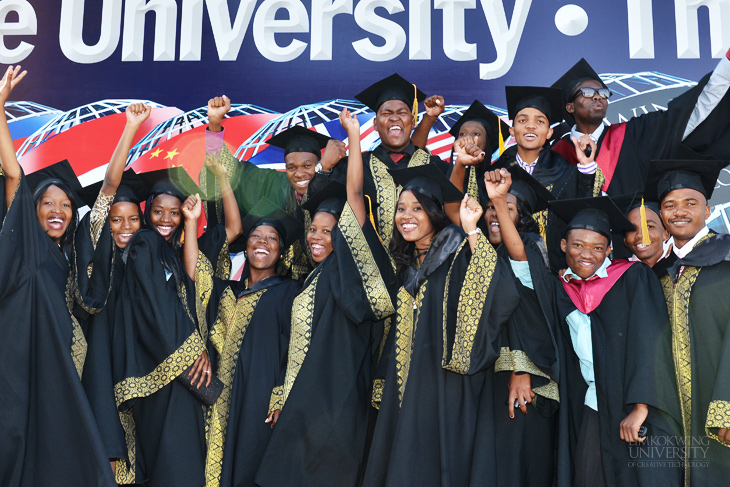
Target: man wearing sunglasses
{"x":696,"y":125}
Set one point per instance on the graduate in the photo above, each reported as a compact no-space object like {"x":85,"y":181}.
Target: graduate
{"x":696,"y":289}
{"x":164,"y":363}
{"x":615,"y":374}
{"x":286,"y":190}
{"x":102,"y":235}
{"x":320,"y":411}
{"x":395,"y":103}
{"x":648,"y":241}
{"x":50,"y":436}
{"x":526,"y":372}
{"x":249,"y":329}
{"x":694,"y":126}
{"x":454,"y":297}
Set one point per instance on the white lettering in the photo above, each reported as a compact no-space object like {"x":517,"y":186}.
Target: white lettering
{"x":688,"y":39}
{"x":419,"y":29}
{"x":506,"y":37}
{"x":27,"y":24}
{"x":135,"y":12}
{"x":71,"y":27}
{"x":641,"y":29}
{"x":229,"y":37}
{"x":454,"y":37}
{"x":191,"y":30}
{"x":392,"y":33}
{"x":323,"y":11}
{"x":266,"y":26}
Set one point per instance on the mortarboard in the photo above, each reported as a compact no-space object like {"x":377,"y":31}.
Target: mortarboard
{"x":394,"y":87}
{"x":546,"y":100}
{"x":567,"y":83}
{"x":629,"y":202}
{"x":131,"y":188}
{"x":330,"y":199}
{"x":174,"y":181}
{"x":427,"y":180}
{"x":300,"y":139}
{"x":265,"y":212}
{"x":529,"y":190}
{"x":492,"y":123}
{"x":599,"y":214}
{"x":59,"y":172}
{"x":667,"y":175}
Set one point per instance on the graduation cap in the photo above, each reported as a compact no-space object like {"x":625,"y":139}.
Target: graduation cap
{"x":174,"y":181}
{"x":60,"y":172}
{"x":529,"y":190}
{"x":667,"y":175}
{"x":599,"y":214}
{"x":394,"y":87}
{"x":580,"y":72}
{"x":629,"y":202}
{"x":300,"y":139}
{"x":492,"y":123}
{"x":427,"y":180}
{"x":330,"y":199}
{"x":131,"y":188}
{"x":265,"y":212}
{"x":546,"y":100}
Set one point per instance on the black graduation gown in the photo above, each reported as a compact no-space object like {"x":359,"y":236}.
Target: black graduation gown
{"x":49,"y":435}
{"x":319,"y":439}
{"x":162,"y":337}
{"x":658,"y":135}
{"x":563,"y":180}
{"x":444,"y":342}
{"x":631,"y":355}
{"x":250,"y":334}
{"x":378,"y":185}
{"x":700,"y":317}
{"x":525,"y":444}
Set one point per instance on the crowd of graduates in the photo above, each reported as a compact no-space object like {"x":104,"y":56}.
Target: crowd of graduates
{"x":556,"y":316}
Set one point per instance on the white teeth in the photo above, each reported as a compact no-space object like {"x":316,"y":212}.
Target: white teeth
{"x":55,"y":220}
{"x":302,"y":184}
{"x":495,"y":224}
{"x":407,"y":227}
{"x":261,"y":252}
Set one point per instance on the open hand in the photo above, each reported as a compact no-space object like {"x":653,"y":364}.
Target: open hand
{"x":12,"y":77}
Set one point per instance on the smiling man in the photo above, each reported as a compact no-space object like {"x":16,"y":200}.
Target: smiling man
{"x":394,"y":101}
{"x":695,"y":125}
{"x":696,"y":289}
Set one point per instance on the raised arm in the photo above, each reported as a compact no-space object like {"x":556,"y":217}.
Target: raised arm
{"x":234,"y":227}
{"x":10,"y":165}
{"x":136,"y":113}
{"x":470,"y":213}
{"x":354,"y":166}
{"x":498,"y":183}
{"x":434,"y":106}
{"x":191,"y":210}
{"x":217,"y":109}
{"x":467,"y":154}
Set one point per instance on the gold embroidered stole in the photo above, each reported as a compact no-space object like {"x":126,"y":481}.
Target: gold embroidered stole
{"x":405,"y":333}
{"x":472,"y":187}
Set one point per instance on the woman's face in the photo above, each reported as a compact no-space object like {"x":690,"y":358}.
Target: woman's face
{"x":54,"y":212}
{"x":165,"y":214}
{"x":262,"y":248}
{"x":476,"y":132}
{"x":412,"y":221}
{"x":319,"y":236}
{"x":124,"y":221}
{"x":494,"y":232}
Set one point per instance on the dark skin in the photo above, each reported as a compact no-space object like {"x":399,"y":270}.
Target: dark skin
{"x":649,"y":254}
{"x":588,"y":112}
{"x":263,"y":250}
{"x":684,"y":212}
{"x":394,"y":124}
{"x":124,"y":221}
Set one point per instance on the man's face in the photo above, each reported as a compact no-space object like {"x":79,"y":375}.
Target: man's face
{"x":530,"y":128}
{"x":657,"y":236}
{"x":588,"y":110}
{"x":300,"y":168}
{"x":585,"y":251}
{"x":684,"y":212}
{"x":394,"y":124}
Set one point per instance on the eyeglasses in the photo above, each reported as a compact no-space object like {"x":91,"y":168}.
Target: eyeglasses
{"x":589,"y":92}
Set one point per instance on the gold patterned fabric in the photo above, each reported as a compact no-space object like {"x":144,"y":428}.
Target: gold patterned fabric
{"x":472,"y":297}
{"x":302,"y":315}
{"x":388,"y":192}
{"x":126,"y":472}
{"x":718,"y":416}
{"x":375,"y":289}
{"x":472,"y":187}
{"x":163,"y":374}
{"x":405,"y":332}
{"x":204,"y":273}
{"x":677,"y":298}
{"x":377,"y":396}
{"x":78,"y":340}
{"x":518,"y":361}
{"x":598,"y":182}
{"x":227,"y":362}
{"x":277,"y":399}
{"x":99,"y":214}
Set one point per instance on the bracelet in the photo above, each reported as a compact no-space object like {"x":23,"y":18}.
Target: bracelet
{"x":474,"y":232}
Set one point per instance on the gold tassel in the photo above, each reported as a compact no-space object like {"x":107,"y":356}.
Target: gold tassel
{"x":414,"y":110}
{"x":645,"y":240}
{"x":501,"y":137}
{"x":372,"y":219}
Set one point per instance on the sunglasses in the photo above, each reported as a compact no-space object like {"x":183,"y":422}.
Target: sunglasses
{"x":588,"y":92}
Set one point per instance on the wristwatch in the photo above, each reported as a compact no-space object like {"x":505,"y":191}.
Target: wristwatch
{"x":318,"y":169}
